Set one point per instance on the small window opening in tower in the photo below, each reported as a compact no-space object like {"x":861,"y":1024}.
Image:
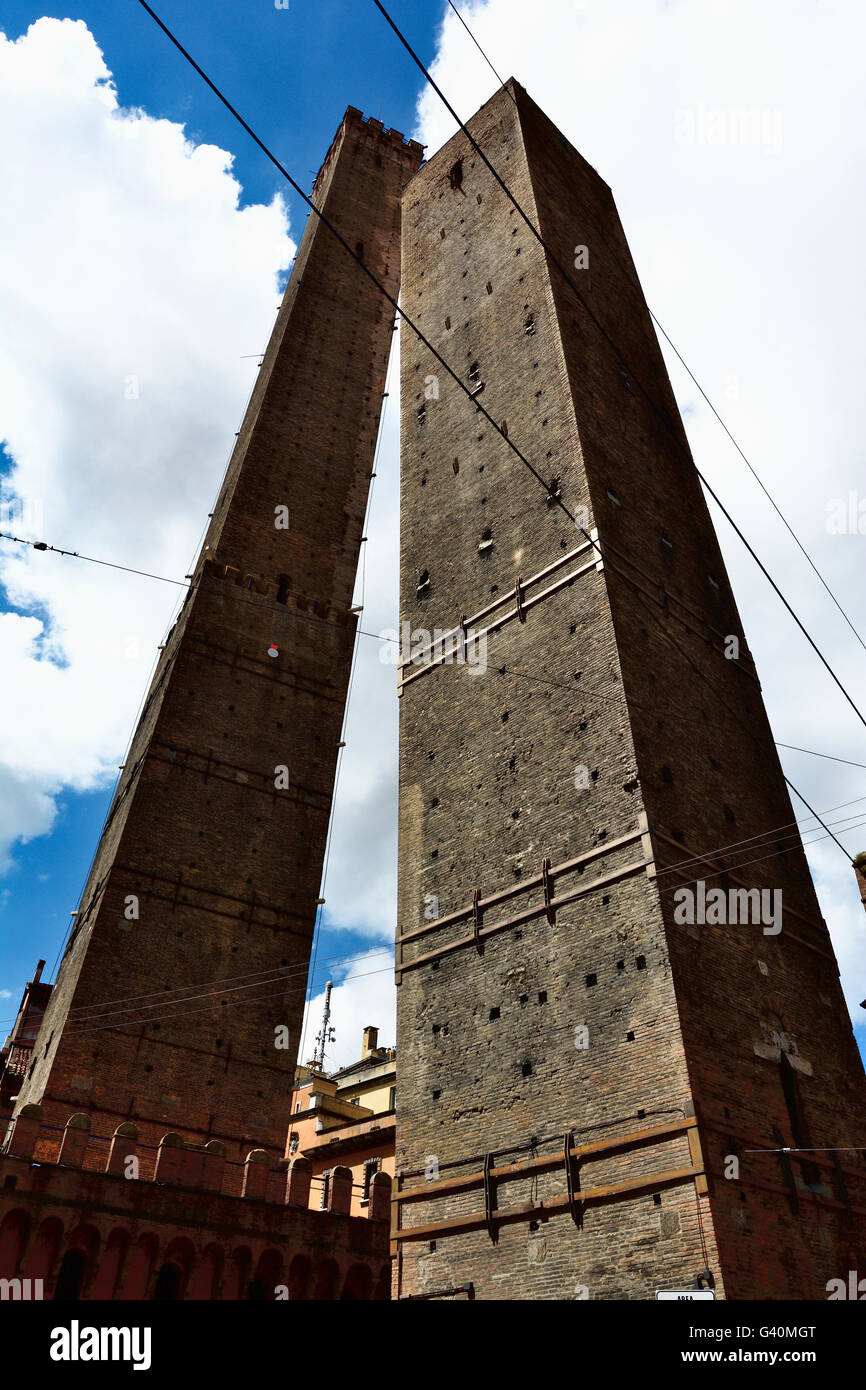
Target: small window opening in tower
{"x":613,"y":497}
{"x":455,"y":175}
{"x":283,"y":583}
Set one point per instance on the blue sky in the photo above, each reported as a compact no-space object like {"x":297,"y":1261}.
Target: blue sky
{"x":291,"y":73}
{"x":750,"y":253}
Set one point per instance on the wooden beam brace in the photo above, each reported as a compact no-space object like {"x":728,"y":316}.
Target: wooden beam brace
{"x":542,"y":1210}
{"x":586,"y":1153}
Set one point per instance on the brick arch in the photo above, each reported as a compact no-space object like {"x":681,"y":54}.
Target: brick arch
{"x":84,"y":1241}
{"x":43,"y":1251}
{"x":173,"y":1272}
{"x":14,"y":1230}
{"x":267,"y":1275}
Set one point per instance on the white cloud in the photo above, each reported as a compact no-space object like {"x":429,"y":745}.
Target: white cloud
{"x":363,"y":996}
{"x":131,"y":283}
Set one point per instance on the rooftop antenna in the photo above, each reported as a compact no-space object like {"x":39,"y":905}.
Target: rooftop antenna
{"x":327,"y":1035}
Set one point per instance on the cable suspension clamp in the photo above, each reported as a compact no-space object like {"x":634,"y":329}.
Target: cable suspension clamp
{"x":488,"y":1200}
{"x":548,"y":891}
{"x":572,"y":1182}
{"x":518,"y":595}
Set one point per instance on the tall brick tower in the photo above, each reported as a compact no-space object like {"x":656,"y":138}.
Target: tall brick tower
{"x":192,"y":941}
{"x":596,"y":1098}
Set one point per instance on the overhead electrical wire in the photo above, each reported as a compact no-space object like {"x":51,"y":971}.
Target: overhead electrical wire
{"x":554,"y":260}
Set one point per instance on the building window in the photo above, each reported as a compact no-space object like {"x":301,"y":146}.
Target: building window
{"x":326,"y":1188}
{"x":392,"y":1098}
{"x":371,"y":1166}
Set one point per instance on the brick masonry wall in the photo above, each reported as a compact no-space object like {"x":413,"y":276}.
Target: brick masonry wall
{"x":225,"y":865}
{"x":629,"y":686}
{"x":223,"y":1247}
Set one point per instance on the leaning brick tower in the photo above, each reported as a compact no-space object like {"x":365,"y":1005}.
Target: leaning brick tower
{"x":596,"y":1099}
{"x":192,"y":940}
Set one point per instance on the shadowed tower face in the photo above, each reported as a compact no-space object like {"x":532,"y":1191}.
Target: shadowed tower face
{"x":192,"y":941}
{"x":583,"y":1069}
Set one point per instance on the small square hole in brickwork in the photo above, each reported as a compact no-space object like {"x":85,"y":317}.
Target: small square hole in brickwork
{"x":436,"y":1027}
{"x":494,"y":1014}
{"x":667,"y":776}
{"x":436,"y":1095}
{"x":629,"y":1037}
{"x":526,"y":1069}
{"x":432,"y":1247}
{"x":620,"y":965}
{"x":640,"y":962}
{"x":657,"y":1199}
{"x":524,"y":998}
{"x":542,"y":996}
{"x":591,"y":980}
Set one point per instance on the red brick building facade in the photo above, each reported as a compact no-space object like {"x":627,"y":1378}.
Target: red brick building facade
{"x":584,"y":1077}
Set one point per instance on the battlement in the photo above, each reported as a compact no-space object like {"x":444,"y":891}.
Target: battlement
{"x":123,"y":1233}
{"x":194,"y":1167}
{"x":393,"y":142}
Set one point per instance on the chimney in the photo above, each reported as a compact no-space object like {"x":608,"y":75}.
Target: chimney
{"x":38,"y":976}
{"x":371,"y":1041}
